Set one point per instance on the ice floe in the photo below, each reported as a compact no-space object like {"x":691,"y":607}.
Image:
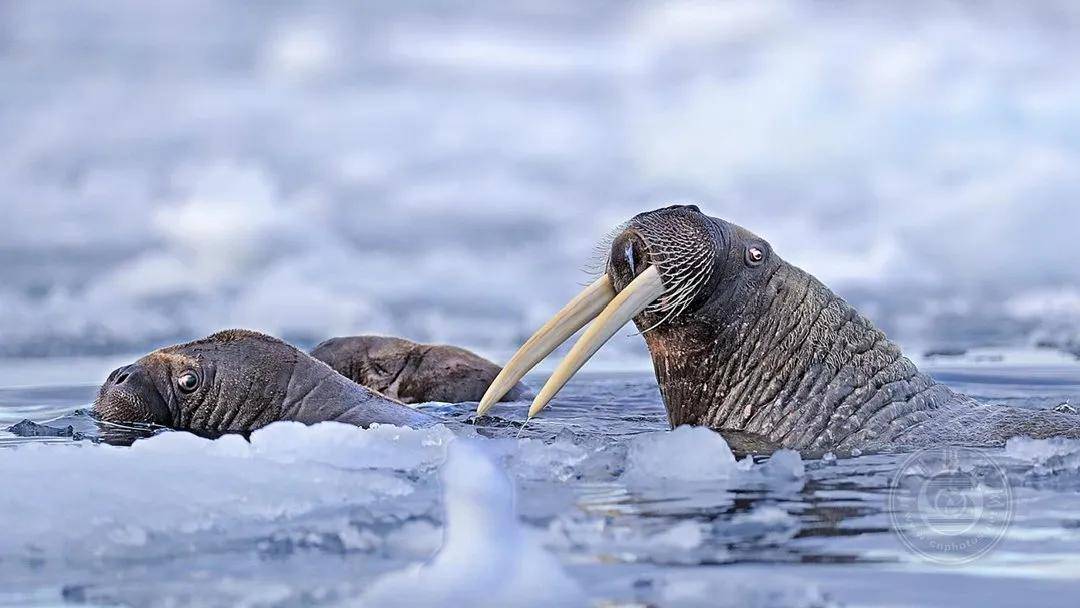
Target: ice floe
{"x":105,"y":499}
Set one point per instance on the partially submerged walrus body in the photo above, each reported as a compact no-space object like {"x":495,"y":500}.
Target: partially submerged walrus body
{"x":238,"y":381}
{"x":411,"y":372}
{"x":741,"y":340}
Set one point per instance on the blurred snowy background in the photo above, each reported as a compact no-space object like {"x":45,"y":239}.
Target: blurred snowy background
{"x":442,"y":170}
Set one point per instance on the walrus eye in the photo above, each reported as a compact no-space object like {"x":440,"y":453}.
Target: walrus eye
{"x":755,"y":256}
{"x":187,"y":382}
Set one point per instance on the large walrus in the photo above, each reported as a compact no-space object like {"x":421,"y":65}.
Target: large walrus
{"x":238,"y":381}
{"x":412,"y":372}
{"x":741,"y":340}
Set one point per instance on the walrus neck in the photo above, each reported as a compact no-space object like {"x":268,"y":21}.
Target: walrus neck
{"x":798,"y":365}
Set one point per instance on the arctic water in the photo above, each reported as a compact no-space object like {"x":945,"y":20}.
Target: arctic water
{"x":596,"y":502}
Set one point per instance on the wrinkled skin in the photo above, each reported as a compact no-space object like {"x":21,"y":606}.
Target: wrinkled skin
{"x":411,"y":372}
{"x":765,"y":348}
{"x":243,"y":381}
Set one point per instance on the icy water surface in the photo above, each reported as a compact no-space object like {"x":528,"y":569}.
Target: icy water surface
{"x":606,"y":507}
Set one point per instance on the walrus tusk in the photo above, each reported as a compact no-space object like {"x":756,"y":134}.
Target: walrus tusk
{"x":637,"y":296}
{"x":575,"y":315}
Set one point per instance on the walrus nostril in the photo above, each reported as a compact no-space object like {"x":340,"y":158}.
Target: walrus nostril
{"x":628,"y":258}
{"x":121,"y":375}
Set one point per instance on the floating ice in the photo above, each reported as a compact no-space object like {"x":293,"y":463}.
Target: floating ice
{"x":684,"y":535}
{"x":1046,"y":456}
{"x":784,"y":464}
{"x":684,"y":454}
{"x":567,"y":457}
{"x":765,"y":524}
{"x":724,"y":589}
{"x":672,"y":504}
{"x":107,"y":499}
{"x":488,"y":558}
{"x":341,"y":445}
{"x":697,"y":454}
{"x":1040,"y":450}
{"x":556,"y":461}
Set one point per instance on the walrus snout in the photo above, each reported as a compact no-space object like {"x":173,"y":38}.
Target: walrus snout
{"x":130,"y":395}
{"x":683,"y":243}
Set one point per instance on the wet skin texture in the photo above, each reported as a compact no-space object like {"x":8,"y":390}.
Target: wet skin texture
{"x":411,"y":372}
{"x":237,"y":381}
{"x":742,"y":340}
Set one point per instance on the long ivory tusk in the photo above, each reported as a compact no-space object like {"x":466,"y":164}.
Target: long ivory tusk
{"x":575,"y":315}
{"x":637,"y":296}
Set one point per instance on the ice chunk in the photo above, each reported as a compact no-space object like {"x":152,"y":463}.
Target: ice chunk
{"x":1037,"y":451}
{"x":784,"y":464}
{"x":568,"y":456}
{"x":1046,"y":455}
{"x":764,"y":524}
{"x":351,"y":447}
{"x":684,"y":454}
{"x":697,"y":454}
{"x":685,"y":536}
{"x":488,"y":558}
{"x":557,"y":461}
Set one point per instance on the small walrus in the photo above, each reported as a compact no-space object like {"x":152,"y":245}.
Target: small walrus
{"x":743,"y":341}
{"x":237,"y":381}
{"x":412,"y":372}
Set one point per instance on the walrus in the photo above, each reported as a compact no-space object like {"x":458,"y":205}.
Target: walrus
{"x":742,"y":340}
{"x":237,"y":381}
{"x":412,"y":372}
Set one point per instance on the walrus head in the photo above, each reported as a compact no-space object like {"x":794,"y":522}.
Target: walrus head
{"x":377,"y":362}
{"x":411,"y":372}
{"x":734,"y":331}
{"x":238,"y":381}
